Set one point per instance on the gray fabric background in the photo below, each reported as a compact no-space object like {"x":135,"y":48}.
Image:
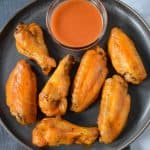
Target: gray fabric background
{"x":8,"y":8}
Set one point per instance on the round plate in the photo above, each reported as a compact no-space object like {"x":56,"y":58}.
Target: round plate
{"x":119,"y":15}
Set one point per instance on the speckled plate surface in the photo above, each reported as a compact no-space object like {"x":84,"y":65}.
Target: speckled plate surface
{"x":119,"y":15}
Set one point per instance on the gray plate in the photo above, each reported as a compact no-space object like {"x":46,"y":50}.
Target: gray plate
{"x":119,"y":15}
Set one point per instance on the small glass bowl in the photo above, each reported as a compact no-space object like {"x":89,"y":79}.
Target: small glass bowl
{"x":102,"y":11}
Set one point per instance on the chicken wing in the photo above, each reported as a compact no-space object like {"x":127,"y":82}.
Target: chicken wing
{"x":114,"y":109}
{"x":21,"y":90}
{"x":89,"y":79}
{"x":52,"y":99}
{"x":55,"y":131}
{"x":125,"y":57}
{"x":30,"y":42}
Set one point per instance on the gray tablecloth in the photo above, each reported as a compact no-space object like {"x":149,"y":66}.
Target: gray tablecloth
{"x":9,"y":8}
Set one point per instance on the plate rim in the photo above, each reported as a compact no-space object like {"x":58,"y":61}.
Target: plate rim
{"x":139,"y":16}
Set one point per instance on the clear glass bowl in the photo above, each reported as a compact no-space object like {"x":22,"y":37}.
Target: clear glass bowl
{"x":102,"y":11}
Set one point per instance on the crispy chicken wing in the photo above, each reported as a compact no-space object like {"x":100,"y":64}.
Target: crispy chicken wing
{"x":21,"y":90}
{"x":30,"y":42}
{"x":55,"y":131}
{"x":89,"y":79}
{"x":114,"y":109}
{"x":125,"y":57}
{"x":52,"y":99}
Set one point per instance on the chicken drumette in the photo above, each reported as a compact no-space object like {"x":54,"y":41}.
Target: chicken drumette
{"x":55,"y":131}
{"x":30,"y":42}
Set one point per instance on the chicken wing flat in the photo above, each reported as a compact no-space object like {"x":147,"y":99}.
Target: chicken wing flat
{"x":30,"y":42}
{"x":21,"y":90}
{"x":114,"y":109}
{"x":55,"y":132}
{"x":125,"y":57}
{"x":52,"y":99}
{"x":89,"y":79}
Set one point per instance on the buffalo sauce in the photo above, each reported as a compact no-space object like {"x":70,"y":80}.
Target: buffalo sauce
{"x":76,"y":23}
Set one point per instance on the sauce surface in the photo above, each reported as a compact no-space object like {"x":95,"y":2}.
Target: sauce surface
{"x":76,"y":23}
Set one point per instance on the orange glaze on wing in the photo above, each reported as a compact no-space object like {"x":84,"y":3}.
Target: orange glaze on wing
{"x":89,"y":79}
{"x":21,"y":90}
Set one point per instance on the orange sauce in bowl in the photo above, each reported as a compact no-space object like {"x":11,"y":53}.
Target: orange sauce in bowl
{"x":76,"y":23}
